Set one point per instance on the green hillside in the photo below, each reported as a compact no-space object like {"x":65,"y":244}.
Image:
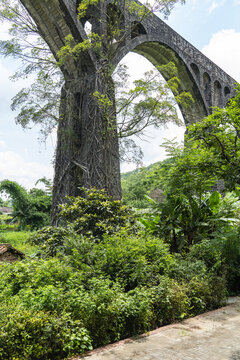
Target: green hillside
{"x":144,"y":181}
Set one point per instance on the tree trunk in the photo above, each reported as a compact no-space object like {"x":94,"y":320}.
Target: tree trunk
{"x":87,"y":153}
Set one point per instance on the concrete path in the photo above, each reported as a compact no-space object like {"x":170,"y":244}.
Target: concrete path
{"x":210,"y":336}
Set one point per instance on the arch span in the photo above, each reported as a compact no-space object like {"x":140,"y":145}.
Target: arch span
{"x":150,"y":37}
{"x":198,"y":75}
{"x":158,"y":54}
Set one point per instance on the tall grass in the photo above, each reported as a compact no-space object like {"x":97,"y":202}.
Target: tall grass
{"x":18,"y":239}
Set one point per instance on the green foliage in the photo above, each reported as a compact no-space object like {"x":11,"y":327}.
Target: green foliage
{"x":27,"y":334}
{"x":130,"y":259}
{"x":94,"y":213}
{"x":218,"y":134}
{"x":189,"y":213}
{"x":19,"y":240}
{"x":133,"y":259}
{"x":144,"y":181}
{"x":74,"y":50}
{"x":68,"y":308}
{"x":51,"y":239}
{"x":184,"y":220}
{"x":30,"y":208}
{"x":221,"y":254}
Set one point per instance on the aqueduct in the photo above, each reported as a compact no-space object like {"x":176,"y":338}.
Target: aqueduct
{"x":84,"y":156}
{"x":154,"y":39}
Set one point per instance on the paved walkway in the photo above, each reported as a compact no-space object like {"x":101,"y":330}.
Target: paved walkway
{"x":210,"y":336}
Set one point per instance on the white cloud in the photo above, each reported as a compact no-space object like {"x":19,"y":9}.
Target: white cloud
{"x":13,"y":167}
{"x":215,"y":5}
{"x":224,"y":49}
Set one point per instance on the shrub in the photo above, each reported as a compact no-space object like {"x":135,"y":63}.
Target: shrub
{"x":221,"y":256}
{"x":133,"y":259}
{"x":206,"y":287}
{"x":29,"y":335}
{"x":108,"y":312}
{"x":170,"y":301}
{"x":50,"y":239}
{"x":95,"y":213}
{"x":34,"y":274}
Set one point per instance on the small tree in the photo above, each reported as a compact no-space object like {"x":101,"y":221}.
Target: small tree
{"x":219,"y":135}
{"x":30,"y":208}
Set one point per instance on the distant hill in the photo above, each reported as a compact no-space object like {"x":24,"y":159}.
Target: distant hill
{"x":143,"y":181}
{"x":137,"y":171}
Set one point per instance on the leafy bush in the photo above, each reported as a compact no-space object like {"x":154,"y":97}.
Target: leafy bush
{"x":95,"y":213}
{"x":183,"y":220}
{"x":206,"y":287}
{"x":50,"y":239}
{"x":30,"y":335}
{"x":170,"y":301}
{"x":221,"y":256}
{"x":92,"y":216}
{"x":133,"y":259}
{"x":34,"y":274}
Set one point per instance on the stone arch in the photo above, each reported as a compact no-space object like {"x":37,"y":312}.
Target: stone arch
{"x":227,"y":91}
{"x":217,"y":101}
{"x":207,"y":88}
{"x":196,"y":71}
{"x":137,"y":29}
{"x":159,"y":53}
{"x":60,"y":20}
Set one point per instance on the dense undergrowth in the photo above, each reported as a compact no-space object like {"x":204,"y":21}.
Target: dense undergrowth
{"x":100,"y":277}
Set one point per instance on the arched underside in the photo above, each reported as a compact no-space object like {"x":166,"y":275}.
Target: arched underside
{"x":160,"y":54}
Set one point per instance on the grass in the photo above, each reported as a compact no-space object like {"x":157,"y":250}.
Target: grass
{"x":18,"y":239}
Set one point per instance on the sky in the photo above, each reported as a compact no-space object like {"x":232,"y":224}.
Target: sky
{"x":212,"y":26}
